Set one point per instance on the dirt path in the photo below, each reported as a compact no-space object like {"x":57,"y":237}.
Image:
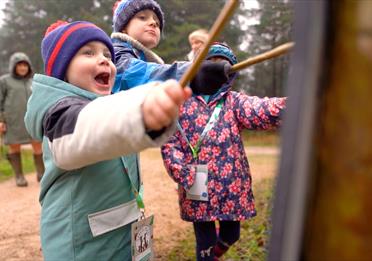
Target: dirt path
{"x":20,"y":210}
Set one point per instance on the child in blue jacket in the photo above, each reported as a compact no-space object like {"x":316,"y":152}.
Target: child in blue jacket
{"x":206,"y":158}
{"x":137,"y":25}
{"x":90,"y":190}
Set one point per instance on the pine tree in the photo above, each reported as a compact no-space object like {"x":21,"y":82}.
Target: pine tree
{"x":274,"y":28}
{"x":26,"y":21}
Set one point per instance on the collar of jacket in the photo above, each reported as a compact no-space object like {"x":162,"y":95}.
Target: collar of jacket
{"x":150,"y":55}
{"x":46,"y":91}
{"x":225,"y":88}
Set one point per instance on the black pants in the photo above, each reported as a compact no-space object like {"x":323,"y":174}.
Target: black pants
{"x":207,"y":239}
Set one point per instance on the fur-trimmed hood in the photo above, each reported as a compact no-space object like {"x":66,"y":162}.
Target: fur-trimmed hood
{"x":150,"y":55}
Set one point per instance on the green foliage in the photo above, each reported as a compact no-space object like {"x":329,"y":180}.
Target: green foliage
{"x":183,"y":17}
{"x":254,"y":238}
{"x":254,"y":235}
{"x":274,"y":28}
{"x":26,"y":23}
{"x":6,"y":171}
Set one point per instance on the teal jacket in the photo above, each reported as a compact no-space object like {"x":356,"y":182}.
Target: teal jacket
{"x":88,"y":189}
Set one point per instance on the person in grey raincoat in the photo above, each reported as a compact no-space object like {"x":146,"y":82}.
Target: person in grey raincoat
{"x":15,"y":89}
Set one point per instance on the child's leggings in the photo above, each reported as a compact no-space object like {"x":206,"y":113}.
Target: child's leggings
{"x":208,"y":246}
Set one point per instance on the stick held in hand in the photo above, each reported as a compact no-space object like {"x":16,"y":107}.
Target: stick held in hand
{"x":222,"y":18}
{"x":281,"y":49}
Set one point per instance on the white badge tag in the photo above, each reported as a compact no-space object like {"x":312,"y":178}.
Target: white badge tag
{"x":142,"y":239}
{"x":199,"y":190}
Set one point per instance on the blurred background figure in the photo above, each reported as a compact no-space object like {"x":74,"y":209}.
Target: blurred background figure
{"x":197,"y":39}
{"x":15,"y":89}
{"x":364,"y":39}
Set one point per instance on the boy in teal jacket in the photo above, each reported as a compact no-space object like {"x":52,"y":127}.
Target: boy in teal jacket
{"x":89,"y":189}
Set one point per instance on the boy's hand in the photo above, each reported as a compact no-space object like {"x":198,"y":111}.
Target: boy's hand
{"x":210,"y":77}
{"x":161,"y":105}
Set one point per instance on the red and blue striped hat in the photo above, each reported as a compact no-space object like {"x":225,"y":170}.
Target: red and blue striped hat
{"x":62,"y":40}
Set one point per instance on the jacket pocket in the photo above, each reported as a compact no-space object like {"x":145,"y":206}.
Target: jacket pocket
{"x":110,"y":219}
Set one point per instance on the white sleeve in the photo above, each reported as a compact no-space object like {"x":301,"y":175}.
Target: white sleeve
{"x":106,"y":128}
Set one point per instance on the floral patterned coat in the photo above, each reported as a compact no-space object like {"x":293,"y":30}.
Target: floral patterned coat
{"x":230,"y":195}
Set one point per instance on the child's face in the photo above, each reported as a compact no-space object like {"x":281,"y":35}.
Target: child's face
{"x":92,"y":69}
{"x":145,"y":28}
{"x":218,"y":59}
{"x":196,"y":44}
{"x":22,"y":69}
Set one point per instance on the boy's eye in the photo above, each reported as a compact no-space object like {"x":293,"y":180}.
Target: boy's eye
{"x":88,"y":52}
{"x":107,"y":55}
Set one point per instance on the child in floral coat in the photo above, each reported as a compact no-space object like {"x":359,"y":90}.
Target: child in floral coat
{"x":206,"y":158}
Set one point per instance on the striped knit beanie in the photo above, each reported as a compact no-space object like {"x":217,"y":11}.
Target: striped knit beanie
{"x":124,"y":10}
{"x":62,"y":40}
{"x":221,"y":50}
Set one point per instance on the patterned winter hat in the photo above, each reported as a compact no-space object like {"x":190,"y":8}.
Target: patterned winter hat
{"x":221,"y":50}
{"x":124,"y":10}
{"x":62,"y":40}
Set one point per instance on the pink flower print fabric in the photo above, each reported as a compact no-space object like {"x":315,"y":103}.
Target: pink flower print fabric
{"x":230,"y":195}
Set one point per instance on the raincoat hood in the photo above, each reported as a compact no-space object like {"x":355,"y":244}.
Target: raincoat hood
{"x":16,"y":58}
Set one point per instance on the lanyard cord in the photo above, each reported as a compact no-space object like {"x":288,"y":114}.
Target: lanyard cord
{"x":137,"y":193}
{"x":139,"y":196}
{"x":212,"y":120}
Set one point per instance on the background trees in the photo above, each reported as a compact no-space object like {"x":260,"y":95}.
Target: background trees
{"x":25,"y":22}
{"x":274,"y":28}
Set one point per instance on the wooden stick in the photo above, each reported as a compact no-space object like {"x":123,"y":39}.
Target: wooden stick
{"x":281,"y":49}
{"x":221,"y":20}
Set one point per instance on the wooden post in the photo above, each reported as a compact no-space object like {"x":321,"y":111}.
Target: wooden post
{"x":323,"y":206}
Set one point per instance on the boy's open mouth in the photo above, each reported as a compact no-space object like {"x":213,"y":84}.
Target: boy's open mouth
{"x":103,"y":78}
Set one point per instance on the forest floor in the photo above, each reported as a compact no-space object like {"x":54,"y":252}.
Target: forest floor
{"x":20,"y":210}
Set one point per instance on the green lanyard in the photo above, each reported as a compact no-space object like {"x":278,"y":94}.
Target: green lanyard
{"x":212,"y":120}
{"x":137,"y":194}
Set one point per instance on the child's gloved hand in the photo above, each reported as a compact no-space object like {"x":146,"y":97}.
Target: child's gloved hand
{"x":161,"y":105}
{"x":210,"y":77}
